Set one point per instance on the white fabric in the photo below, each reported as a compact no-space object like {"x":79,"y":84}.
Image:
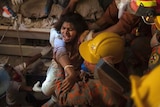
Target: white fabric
{"x":48,"y":85}
{"x":122,"y":7}
{"x":36,"y":87}
{"x":56,"y":39}
{"x":20,"y":67}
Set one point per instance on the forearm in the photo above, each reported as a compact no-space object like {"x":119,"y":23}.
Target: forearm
{"x":25,"y":88}
{"x":70,"y":7}
{"x":33,"y":59}
{"x":125,"y":24}
{"x":66,"y":64}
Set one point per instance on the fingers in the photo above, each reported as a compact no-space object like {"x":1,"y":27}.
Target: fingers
{"x":66,"y":86}
{"x":13,"y":2}
{"x":17,"y":2}
{"x":21,"y":1}
{"x":83,"y":36}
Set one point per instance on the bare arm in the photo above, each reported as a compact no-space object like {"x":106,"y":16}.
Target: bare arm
{"x":124,"y":25}
{"x":71,"y":77}
{"x":70,"y":7}
{"x":25,"y":88}
{"x":34,"y":58}
{"x":120,"y":26}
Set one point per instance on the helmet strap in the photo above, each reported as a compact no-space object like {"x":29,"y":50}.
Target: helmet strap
{"x":143,"y":11}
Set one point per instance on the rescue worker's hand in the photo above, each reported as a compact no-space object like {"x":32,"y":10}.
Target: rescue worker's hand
{"x":74,"y":1}
{"x":46,"y":50}
{"x":85,"y":36}
{"x":17,"y":2}
{"x":36,"y":87}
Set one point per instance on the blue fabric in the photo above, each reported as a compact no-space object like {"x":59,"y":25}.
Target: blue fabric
{"x":83,"y":67}
{"x":4,"y":81}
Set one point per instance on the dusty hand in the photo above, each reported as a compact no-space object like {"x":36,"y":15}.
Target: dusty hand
{"x":68,"y":83}
{"x":17,"y":2}
{"x":46,"y":50}
{"x":37,"y":87}
{"x":74,"y":1}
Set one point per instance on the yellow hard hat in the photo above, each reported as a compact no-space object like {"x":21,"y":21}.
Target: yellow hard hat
{"x":135,"y":4}
{"x":145,"y":90}
{"x":148,"y":9}
{"x":157,"y":22}
{"x":104,"y":44}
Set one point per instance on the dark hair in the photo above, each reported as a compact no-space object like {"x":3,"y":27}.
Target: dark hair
{"x":8,"y":68}
{"x":76,"y":19}
{"x":6,"y":65}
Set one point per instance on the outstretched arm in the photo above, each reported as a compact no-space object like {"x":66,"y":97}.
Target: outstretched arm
{"x":44,"y":51}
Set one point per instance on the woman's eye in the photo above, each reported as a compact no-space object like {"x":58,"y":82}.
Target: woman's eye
{"x":70,"y":29}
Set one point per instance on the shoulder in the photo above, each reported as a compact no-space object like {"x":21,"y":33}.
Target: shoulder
{"x":85,"y":36}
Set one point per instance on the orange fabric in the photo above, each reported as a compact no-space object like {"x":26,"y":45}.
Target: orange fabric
{"x":91,"y":92}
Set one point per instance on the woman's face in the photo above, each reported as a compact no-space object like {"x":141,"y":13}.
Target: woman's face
{"x":68,"y":32}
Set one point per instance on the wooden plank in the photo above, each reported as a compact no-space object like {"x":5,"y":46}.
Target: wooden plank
{"x":43,"y":30}
{"x":32,"y":33}
{"x":19,"y":50}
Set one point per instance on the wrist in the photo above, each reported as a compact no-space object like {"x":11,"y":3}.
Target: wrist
{"x":69,"y":69}
{"x":68,"y":66}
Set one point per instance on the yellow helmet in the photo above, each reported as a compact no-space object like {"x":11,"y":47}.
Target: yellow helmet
{"x":145,"y":89}
{"x":157,"y":22}
{"x":104,"y":44}
{"x":147,"y":6}
{"x":148,"y":9}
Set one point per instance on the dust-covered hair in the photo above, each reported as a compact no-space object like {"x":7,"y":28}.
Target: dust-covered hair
{"x":76,"y":19}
